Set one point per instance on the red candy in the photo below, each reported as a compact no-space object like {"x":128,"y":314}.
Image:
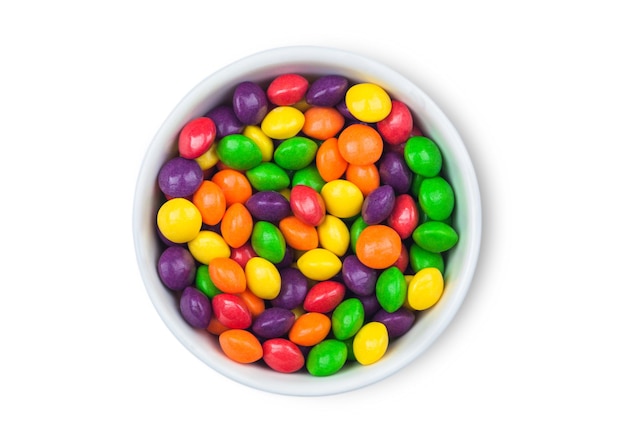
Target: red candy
{"x":196,"y":137}
{"x":287,"y":89}
{"x":231,"y":311}
{"x":282,"y":355}
{"x":397,"y":126}
{"x":307,"y":205}
{"x":404,"y":216}
{"x":324,"y":296}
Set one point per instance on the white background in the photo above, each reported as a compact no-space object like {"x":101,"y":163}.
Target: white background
{"x":537,"y":92}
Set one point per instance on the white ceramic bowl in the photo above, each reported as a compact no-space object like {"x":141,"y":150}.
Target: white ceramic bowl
{"x":460,"y":264}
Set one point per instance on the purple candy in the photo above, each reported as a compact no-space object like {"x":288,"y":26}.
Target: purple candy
{"x":343,"y":110}
{"x":249,"y":103}
{"x":226,"y":121}
{"x":378,"y":205}
{"x":269,"y":206}
{"x":287,"y":260}
{"x":180,"y":177}
{"x":371,"y":305}
{"x":357,"y":277}
{"x":294,"y":287}
{"x":176,"y":268}
{"x":273,"y":322}
{"x":328,"y":90}
{"x":195,"y":308}
{"x":397,"y":323}
{"x":395,"y":172}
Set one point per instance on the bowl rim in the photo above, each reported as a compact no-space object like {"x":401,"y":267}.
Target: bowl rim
{"x":434,"y":123}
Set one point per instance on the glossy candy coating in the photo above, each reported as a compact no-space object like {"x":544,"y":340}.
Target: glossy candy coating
{"x":378,"y":246}
{"x":236,"y":225}
{"x":425,"y":289}
{"x":436,"y":198}
{"x":319,"y":264}
{"x":330,"y":164}
{"x":365,"y":177}
{"x":378,"y":205}
{"x":249,"y":103}
{"x":210,"y":201}
{"x":195,"y":308}
{"x":241,"y":346}
{"x":204,"y":283}
{"x":293,"y":290}
{"x":180,"y":177}
{"x":342,"y":198}
{"x":435,"y":236}
{"x":268,"y":176}
{"x":308,"y":176}
{"x":404,"y":216}
{"x":227,"y":275}
{"x":397,"y":322}
{"x":239,"y":152}
{"x":358,"y":278}
{"x":226,"y":121}
{"x":327,"y":358}
{"x":196,"y":137}
{"x":176,"y":268}
{"x":324,"y":296}
{"x":282,"y":122}
{"x":347,"y":318}
{"x":370,"y":343}
{"x":273,"y":322}
{"x":208,"y":245}
{"x":295,"y":153}
{"x":231,"y":311}
{"x":309,"y":329}
{"x":282,"y":355}
{"x":307,"y":205}
{"x":397,"y":126}
{"x":268,"y":241}
{"x":391,"y":289}
{"x":327,"y":90}
{"x":360,"y":144}
{"x":368,"y":102}
{"x":421,"y":258}
{"x":179,"y":220}
{"x":234,"y":185}
{"x":334,"y":235}
{"x":321,"y":122}
{"x":287,"y":89}
{"x":264,"y":143}
{"x":423,"y":156}
{"x":269,"y":206}
{"x":395,"y":172}
{"x":263,"y":278}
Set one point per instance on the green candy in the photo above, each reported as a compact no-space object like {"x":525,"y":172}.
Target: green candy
{"x":423,"y":156}
{"x":310,"y":177}
{"x":391,"y":289}
{"x":204,"y":282}
{"x":268,"y":177}
{"x":327,"y":357}
{"x":268,"y":242}
{"x":420,"y":258}
{"x":238,"y":152}
{"x":436,"y":198}
{"x":356,"y":228}
{"x":435,"y":236}
{"x":347,"y":318}
{"x":295,"y":153}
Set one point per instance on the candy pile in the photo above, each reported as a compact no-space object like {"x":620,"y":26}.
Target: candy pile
{"x":305,"y":222}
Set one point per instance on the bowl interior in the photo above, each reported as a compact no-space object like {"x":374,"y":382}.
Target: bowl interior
{"x":458,"y":169}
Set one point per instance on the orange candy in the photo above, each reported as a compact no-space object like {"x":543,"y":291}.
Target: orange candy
{"x":236,"y":226}
{"x":378,"y":246}
{"x":227,"y":275}
{"x":255,"y":304}
{"x":322,"y":122}
{"x":241,"y":345}
{"x":216,"y":327}
{"x":360,"y":144}
{"x":310,"y":328}
{"x":210,"y":201}
{"x":330,"y":164}
{"x":234,"y":184}
{"x":366,"y":177}
{"x":298,"y":234}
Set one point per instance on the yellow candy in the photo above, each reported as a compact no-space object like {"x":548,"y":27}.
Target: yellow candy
{"x":179,"y":220}
{"x":334,"y":235}
{"x":208,"y":245}
{"x":368,"y":102}
{"x":370,"y":343}
{"x":264,"y":143}
{"x":208,"y":159}
{"x":262,"y":278}
{"x":319,"y":264}
{"x":425,"y":289}
{"x":342,"y":198}
{"x":282,"y":122}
